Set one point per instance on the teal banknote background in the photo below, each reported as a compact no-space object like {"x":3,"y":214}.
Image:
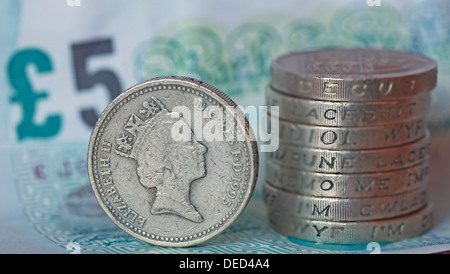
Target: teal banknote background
{"x":62,"y":62}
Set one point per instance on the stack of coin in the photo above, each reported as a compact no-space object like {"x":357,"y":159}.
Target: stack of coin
{"x":352,"y":165}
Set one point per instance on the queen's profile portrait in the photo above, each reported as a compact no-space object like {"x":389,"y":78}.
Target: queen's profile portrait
{"x":170,"y":166}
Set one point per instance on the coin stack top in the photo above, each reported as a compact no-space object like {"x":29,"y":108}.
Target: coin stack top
{"x":354,"y":74}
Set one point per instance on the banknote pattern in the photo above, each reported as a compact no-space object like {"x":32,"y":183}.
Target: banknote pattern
{"x":49,"y":179}
{"x":56,"y":199}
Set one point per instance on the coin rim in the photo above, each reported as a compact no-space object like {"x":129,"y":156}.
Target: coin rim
{"x":343,"y":187}
{"x":363,"y":168}
{"x":362,"y":135}
{"x":344,"y":209}
{"x":358,"y":227}
{"x":288,"y":100}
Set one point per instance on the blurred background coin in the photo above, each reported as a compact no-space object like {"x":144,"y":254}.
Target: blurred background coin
{"x":354,"y":143}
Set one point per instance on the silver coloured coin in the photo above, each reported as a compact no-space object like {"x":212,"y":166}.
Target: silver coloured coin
{"x":343,"y":209}
{"x":156,"y":170}
{"x":354,"y":74}
{"x":350,"y":138}
{"x":358,"y":232}
{"x":352,"y":161}
{"x":348,"y":185}
{"x":348,"y":114}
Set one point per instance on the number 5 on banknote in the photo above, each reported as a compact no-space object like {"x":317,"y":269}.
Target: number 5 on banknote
{"x":28,"y":97}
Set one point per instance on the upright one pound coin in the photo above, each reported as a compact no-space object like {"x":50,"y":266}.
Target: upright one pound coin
{"x":172,"y":161}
